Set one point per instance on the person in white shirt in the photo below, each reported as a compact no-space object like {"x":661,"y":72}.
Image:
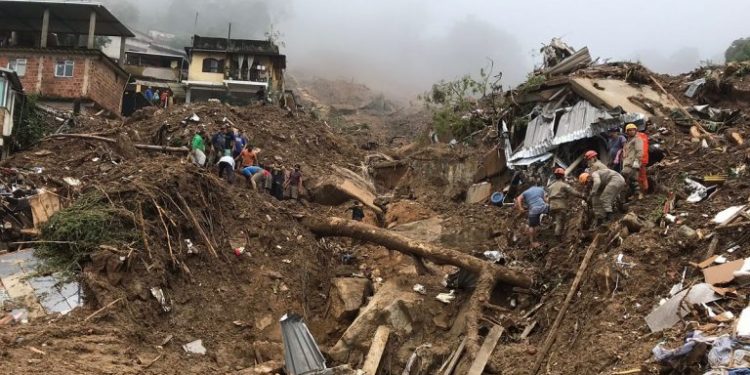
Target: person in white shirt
{"x":226,"y":168}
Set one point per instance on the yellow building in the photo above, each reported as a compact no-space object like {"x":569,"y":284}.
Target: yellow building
{"x":234,"y":70}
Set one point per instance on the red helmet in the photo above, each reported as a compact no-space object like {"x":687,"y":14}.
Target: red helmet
{"x":559,"y":172}
{"x":590,"y":154}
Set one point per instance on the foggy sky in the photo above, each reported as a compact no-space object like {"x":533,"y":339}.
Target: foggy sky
{"x":403,"y":46}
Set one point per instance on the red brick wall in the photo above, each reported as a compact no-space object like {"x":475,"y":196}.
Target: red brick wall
{"x":104,"y":84}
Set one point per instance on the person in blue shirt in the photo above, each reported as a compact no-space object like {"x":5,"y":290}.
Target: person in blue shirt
{"x":149,"y":94}
{"x":239,"y":143}
{"x":615,"y":144}
{"x":533,"y":199}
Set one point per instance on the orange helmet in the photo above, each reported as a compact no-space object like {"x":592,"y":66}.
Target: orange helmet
{"x":590,"y":154}
{"x":559,"y":172}
{"x":584,"y":178}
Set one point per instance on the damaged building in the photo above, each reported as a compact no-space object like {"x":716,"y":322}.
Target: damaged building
{"x":233,"y":70}
{"x":575,"y":104}
{"x":150,"y":63}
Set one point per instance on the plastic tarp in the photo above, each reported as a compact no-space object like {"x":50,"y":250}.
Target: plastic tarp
{"x":580,"y":122}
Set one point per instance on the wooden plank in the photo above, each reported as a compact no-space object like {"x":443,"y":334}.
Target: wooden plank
{"x":43,"y":205}
{"x":453,"y":360}
{"x":379,"y":342}
{"x":490,"y":342}
{"x":527,"y":330}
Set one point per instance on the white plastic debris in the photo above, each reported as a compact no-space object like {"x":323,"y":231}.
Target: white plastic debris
{"x":195,"y":347}
{"x":419,"y":288}
{"x":72,"y":181}
{"x":190,"y":248}
{"x":287,"y":261}
{"x":724,"y":216}
{"x":699,"y":192}
{"x":446,"y":297}
{"x":720,"y":259}
{"x":194,"y":118}
{"x":158,"y":293}
{"x":670,"y":218}
{"x":495,"y":256}
{"x":743,"y":324}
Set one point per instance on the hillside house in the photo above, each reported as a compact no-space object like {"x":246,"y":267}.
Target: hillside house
{"x":233,"y":70}
{"x":52,"y":46}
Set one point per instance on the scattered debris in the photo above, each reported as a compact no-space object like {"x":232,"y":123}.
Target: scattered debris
{"x":446,"y":297}
{"x":669,"y":313}
{"x":419,"y":288}
{"x":195,"y":347}
{"x":158,"y":293}
{"x":301,"y":354}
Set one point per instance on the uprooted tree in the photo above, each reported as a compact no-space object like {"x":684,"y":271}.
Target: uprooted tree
{"x":488,"y":273}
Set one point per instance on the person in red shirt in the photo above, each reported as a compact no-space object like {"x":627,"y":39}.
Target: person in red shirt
{"x":164,"y":98}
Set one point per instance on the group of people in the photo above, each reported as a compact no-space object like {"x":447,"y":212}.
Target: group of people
{"x":158,"y":97}
{"x":601,"y":185}
{"x":231,"y":152}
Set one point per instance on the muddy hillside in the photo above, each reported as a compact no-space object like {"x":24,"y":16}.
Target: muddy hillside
{"x":168,"y":268}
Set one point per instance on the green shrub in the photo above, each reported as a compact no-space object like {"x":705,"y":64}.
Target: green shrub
{"x":73,"y":233}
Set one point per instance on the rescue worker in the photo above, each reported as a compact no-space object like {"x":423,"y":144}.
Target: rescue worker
{"x":606,"y":187}
{"x":536,"y":200}
{"x":559,"y":193}
{"x":633,"y":168}
{"x":592,"y":160}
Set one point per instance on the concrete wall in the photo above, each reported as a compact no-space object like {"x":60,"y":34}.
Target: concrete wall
{"x":93,"y":78}
{"x":195,"y":73}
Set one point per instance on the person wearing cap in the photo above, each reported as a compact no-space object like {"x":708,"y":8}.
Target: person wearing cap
{"x":536,"y":199}
{"x":559,"y":194}
{"x":606,"y":187}
{"x":614,"y":146}
{"x":633,"y":168}
{"x":592,"y":160}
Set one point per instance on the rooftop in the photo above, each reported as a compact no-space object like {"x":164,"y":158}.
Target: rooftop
{"x":64,"y":17}
{"x":257,"y":47}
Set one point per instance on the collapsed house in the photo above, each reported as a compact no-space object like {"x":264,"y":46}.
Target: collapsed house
{"x":574,"y":105}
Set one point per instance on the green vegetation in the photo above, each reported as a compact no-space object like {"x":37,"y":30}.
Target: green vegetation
{"x":30,"y":124}
{"x":73,"y":233}
{"x":452,"y":103}
{"x":739,"y":50}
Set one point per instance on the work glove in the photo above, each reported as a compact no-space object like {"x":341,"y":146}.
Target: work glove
{"x":636,"y":164}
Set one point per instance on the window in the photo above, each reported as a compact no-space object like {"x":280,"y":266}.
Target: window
{"x":18,"y":66}
{"x":2,"y":91}
{"x":213,"y":66}
{"x":64,"y":68}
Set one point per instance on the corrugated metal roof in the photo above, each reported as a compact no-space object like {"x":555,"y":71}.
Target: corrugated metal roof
{"x":64,"y":17}
{"x":579,"y":122}
{"x":301,"y":353}
{"x":539,"y":134}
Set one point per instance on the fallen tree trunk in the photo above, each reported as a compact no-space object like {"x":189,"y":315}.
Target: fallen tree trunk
{"x":337,"y":227}
{"x":489,"y":273}
{"x":113,"y":141}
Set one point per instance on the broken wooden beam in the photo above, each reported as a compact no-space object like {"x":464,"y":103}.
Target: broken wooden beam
{"x":490,"y":342}
{"x":452,"y":361}
{"x":379,"y":343}
{"x":114,"y":141}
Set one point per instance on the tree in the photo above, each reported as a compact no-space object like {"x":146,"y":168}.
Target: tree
{"x":739,"y":50}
